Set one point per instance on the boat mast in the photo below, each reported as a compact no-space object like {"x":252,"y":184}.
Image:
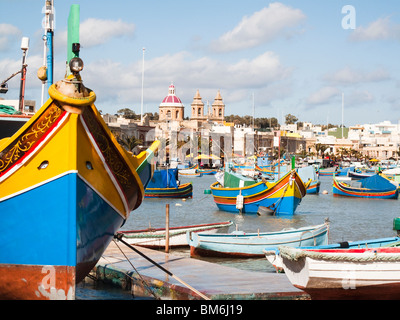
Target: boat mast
{"x":24,"y":48}
{"x":49,"y":28}
{"x":141,"y":106}
{"x":73,"y":45}
{"x":342,"y":112}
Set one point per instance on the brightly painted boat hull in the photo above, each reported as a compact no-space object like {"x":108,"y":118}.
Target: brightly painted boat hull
{"x":313,"y":187}
{"x":183,"y":191}
{"x":251,"y":245}
{"x":206,"y":172}
{"x":281,"y":197}
{"x":66,"y":187}
{"x":55,"y":248}
{"x":340,"y":189}
{"x":344,"y":273}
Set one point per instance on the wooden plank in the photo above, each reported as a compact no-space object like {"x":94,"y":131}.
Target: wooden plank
{"x":213,"y":280}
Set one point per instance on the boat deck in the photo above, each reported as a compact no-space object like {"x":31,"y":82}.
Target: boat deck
{"x":213,"y":280}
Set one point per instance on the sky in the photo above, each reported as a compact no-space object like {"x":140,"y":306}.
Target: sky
{"x":321,"y":61}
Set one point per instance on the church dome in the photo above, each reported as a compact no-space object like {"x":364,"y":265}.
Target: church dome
{"x":171,"y":100}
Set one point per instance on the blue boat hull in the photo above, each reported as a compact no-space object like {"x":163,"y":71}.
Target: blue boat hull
{"x":281,"y":197}
{"x":78,"y":226}
{"x":247,"y":245}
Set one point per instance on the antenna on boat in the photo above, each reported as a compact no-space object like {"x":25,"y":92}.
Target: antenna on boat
{"x":73,"y":46}
{"x":342,"y":112}
{"x":141,"y":105}
{"x":24,"y":48}
{"x":49,"y":28}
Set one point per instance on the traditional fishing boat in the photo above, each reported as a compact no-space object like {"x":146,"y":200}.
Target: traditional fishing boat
{"x":67,"y":186}
{"x":191,"y":172}
{"x":164,"y":184}
{"x":364,"y":273}
{"x":309,"y":174}
{"x":376,"y":187}
{"x":155,"y":237}
{"x":272,"y":253}
{"x":247,"y":245}
{"x":359,"y":175}
{"x":328,"y":172}
{"x":240,"y":194}
{"x":344,"y":171}
{"x":208,"y":171}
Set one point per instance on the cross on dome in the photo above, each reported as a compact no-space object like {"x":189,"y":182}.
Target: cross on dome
{"x":171,"y":99}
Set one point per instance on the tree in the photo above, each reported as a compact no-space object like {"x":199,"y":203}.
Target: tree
{"x":128,"y":113}
{"x":290,"y":119}
{"x":129,"y":142}
{"x":321,"y":148}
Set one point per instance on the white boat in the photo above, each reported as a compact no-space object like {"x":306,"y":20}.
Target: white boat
{"x":243,"y":244}
{"x":272,"y":254}
{"x":189,"y":173}
{"x":364,"y":273}
{"x":155,"y":238}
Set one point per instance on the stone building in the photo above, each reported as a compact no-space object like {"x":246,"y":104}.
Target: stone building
{"x":171,"y":108}
{"x":215,"y":114}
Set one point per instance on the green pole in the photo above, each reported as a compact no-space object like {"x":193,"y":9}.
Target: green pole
{"x":293,"y":162}
{"x":73,"y":32}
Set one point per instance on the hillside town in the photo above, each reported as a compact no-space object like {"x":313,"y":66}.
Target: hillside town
{"x":380,"y":141}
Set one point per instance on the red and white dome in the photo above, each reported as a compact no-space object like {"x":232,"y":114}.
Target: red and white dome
{"x":171,"y":100}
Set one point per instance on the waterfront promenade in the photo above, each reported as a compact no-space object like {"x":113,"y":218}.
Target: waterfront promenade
{"x":215,"y":281}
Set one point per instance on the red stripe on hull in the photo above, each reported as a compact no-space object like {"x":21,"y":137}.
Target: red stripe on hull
{"x":30,"y":282}
{"x":373,"y":292}
{"x":198,"y":252}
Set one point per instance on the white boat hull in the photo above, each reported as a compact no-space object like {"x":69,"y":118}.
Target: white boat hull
{"x":367,"y":275}
{"x":177,"y":235}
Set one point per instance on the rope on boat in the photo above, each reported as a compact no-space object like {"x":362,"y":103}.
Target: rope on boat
{"x":76,"y":101}
{"x":119,"y":237}
{"x":367,"y":256}
{"x":275,"y":205}
{"x":145,"y":284}
{"x":171,"y":234}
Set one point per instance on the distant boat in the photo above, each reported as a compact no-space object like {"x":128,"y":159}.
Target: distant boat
{"x":155,"y":238}
{"x":363,"y":273}
{"x":241,"y":194}
{"x":208,"y":171}
{"x":309,"y":174}
{"x":344,"y":171}
{"x":359,"y":175}
{"x":375,"y":187}
{"x":164,"y":184}
{"x":243,"y":244}
{"x":190,"y":172}
{"x":329,"y":172}
{"x":272,"y":254}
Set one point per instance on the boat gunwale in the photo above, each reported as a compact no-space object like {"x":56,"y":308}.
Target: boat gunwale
{"x":317,"y":228}
{"x":224,"y":223}
{"x":282,"y":241}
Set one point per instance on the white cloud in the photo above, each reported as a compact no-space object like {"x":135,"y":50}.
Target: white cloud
{"x":7,"y":32}
{"x":259,"y":28}
{"x":323,"y":96}
{"x":349,"y":75}
{"x":188,"y":74}
{"x":381,"y":29}
{"x":94,"y":32}
{"x":359,"y":97}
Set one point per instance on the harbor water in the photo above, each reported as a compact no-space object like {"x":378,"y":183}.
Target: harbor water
{"x":350,"y":219}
